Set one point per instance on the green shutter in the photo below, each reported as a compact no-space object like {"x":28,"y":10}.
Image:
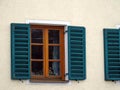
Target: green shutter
{"x":20,"y":51}
{"x":76,"y":53}
{"x":112,"y":54}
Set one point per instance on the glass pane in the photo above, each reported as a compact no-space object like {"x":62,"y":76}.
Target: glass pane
{"x":37,"y":52}
{"x":37,"y":68}
{"x":54,"y":52}
{"x":37,"y":36}
{"x":54,"y":36}
{"x":54,"y":68}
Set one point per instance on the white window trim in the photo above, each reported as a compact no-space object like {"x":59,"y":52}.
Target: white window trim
{"x":56,"y":23}
{"x":118,"y":26}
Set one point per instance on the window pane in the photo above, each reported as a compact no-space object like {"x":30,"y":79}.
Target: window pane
{"x":54,"y":68}
{"x":54,"y":52}
{"x":37,"y":52}
{"x":37,"y":36}
{"x":37,"y":68}
{"x":54,"y":36}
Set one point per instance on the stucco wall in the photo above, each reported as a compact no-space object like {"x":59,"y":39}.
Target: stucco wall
{"x":93,"y":14}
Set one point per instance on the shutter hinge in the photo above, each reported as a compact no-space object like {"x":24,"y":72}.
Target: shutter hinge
{"x":21,"y":80}
{"x":65,"y":31}
{"x":66,"y":74}
{"x":77,"y":81}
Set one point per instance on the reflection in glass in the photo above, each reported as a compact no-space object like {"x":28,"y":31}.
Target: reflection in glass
{"x":54,"y":68}
{"x":37,"y":36}
{"x":37,"y":68}
{"x":37,"y":52}
{"x":54,"y":52}
{"x":54,"y":36}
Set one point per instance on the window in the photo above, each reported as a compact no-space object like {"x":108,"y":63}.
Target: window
{"x":112,"y":54}
{"x":38,"y":52}
{"x":47,"y":53}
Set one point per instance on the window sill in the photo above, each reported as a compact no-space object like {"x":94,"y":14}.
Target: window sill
{"x":49,"y":81}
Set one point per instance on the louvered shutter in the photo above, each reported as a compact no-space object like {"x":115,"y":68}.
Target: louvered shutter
{"x":76,"y":53}
{"x":20,"y":51}
{"x":112,"y":54}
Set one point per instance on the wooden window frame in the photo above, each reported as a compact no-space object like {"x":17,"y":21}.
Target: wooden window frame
{"x":45,"y":49}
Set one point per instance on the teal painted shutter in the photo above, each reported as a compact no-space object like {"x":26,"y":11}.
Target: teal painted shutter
{"x":76,"y":53}
{"x":20,"y":51}
{"x":112,"y":54}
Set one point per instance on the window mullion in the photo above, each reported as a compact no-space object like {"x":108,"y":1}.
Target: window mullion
{"x":46,"y":52}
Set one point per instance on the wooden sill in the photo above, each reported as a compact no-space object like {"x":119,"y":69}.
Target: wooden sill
{"x":49,"y":81}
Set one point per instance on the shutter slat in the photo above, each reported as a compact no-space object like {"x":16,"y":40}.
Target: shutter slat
{"x":77,"y":60}
{"x":112,"y":54}
{"x":20,"y":51}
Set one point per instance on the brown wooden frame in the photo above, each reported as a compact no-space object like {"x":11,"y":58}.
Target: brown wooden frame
{"x":46,"y":59}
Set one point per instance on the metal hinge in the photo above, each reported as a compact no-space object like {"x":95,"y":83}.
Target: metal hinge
{"x":65,"y":31}
{"x":66,"y":74}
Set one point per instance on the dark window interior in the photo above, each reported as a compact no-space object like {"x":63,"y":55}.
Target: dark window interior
{"x":54,"y":52}
{"x":54,"y":36}
{"x":37,"y":36}
{"x":37,"y":68}
{"x":54,"y":68}
{"x":37,"y":52}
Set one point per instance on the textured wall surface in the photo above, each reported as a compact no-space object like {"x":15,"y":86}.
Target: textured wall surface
{"x":93,"y":14}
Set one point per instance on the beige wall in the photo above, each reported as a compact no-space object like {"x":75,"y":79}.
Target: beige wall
{"x":93,"y":14}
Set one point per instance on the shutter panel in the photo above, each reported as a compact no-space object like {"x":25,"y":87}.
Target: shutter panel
{"x":76,"y":53}
{"x":20,"y":51}
{"x":112,"y":54}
